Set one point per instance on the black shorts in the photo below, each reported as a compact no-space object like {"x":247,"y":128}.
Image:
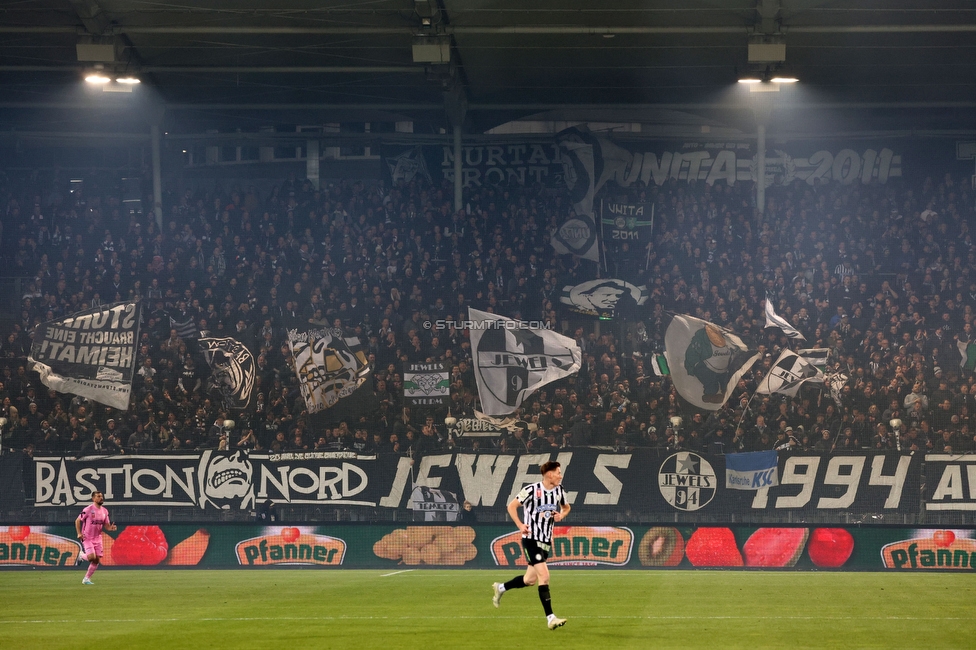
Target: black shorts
{"x":535,"y":552}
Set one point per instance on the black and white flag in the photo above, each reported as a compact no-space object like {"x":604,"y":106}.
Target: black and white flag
{"x":432,"y":504}
{"x":599,"y":297}
{"x":232,"y":370}
{"x":816,"y":357}
{"x":512,"y":361}
{"x":836,"y":382}
{"x":588,"y":163}
{"x":185,"y":328}
{"x":91,"y":353}
{"x":775,"y":320}
{"x":577,"y":236}
{"x":787,"y":375}
{"x":329,"y":365}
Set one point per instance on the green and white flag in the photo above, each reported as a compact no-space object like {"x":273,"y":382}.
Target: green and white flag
{"x":426,"y":384}
{"x":659,"y":364}
{"x":968,"y":352}
{"x":706,"y":360}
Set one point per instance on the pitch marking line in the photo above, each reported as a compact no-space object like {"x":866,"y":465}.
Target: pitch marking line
{"x":425,"y":618}
{"x":386,"y":575}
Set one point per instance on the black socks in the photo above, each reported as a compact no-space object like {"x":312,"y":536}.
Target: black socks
{"x":544,"y":597}
{"x":515,"y":583}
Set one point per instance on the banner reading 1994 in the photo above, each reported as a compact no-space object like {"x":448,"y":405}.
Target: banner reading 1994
{"x":601,"y":483}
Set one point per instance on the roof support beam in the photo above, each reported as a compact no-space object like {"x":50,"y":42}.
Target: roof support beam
{"x":91,"y":15}
{"x":510,"y":29}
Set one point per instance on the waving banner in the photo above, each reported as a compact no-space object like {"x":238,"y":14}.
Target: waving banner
{"x":788,"y":374}
{"x":91,"y":353}
{"x":329,"y":365}
{"x":512,"y":361}
{"x":232,"y":370}
{"x":775,"y":320}
{"x":706,"y":360}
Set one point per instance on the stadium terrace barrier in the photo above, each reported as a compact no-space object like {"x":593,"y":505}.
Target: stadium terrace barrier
{"x":644,"y":486}
{"x":440,"y":546}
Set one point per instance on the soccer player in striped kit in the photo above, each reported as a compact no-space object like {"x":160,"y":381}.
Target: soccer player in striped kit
{"x":89,"y":526}
{"x":543,"y":504}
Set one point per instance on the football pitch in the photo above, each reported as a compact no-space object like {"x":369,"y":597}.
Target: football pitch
{"x":452,"y":609}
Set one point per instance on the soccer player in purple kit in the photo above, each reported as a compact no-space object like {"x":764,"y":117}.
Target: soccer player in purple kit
{"x":89,"y":526}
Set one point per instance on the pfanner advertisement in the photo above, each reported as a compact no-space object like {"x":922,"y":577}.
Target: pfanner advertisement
{"x":389,"y":546}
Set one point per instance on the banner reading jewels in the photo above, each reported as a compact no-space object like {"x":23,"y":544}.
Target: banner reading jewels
{"x":647,"y":481}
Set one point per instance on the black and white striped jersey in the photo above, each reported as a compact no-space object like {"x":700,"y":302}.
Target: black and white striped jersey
{"x":539,"y":506}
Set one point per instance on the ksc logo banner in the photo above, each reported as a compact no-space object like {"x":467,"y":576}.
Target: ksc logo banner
{"x":860,"y":482}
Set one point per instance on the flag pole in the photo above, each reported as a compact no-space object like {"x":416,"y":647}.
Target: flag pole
{"x":650,"y":239}
{"x":744,"y":411}
{"x":754,"y":393}
{"x":603,"y":238}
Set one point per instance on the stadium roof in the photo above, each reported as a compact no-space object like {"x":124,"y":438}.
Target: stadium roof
{"x":867,"y":64}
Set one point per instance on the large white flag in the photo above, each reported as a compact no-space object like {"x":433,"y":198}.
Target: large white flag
{"x":91,"y":353}
{"x":705,"y":360}
{"x":789,"y":373}
{"x":775,"y":320}
{"x":512,"y":360}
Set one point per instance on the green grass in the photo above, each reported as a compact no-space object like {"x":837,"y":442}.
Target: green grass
{"x":284,"y":609}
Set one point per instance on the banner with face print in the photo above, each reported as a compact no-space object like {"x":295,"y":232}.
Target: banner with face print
{"x":599,"y":297}
{"x":330,"y":366}
{"x":232,"y":370}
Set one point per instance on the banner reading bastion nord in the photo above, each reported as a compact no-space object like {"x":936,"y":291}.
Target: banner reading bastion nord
{"x":606,"y":547}
{"x":646,"y":481}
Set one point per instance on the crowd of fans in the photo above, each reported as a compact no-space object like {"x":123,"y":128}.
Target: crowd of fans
{"x":882,"y":274}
